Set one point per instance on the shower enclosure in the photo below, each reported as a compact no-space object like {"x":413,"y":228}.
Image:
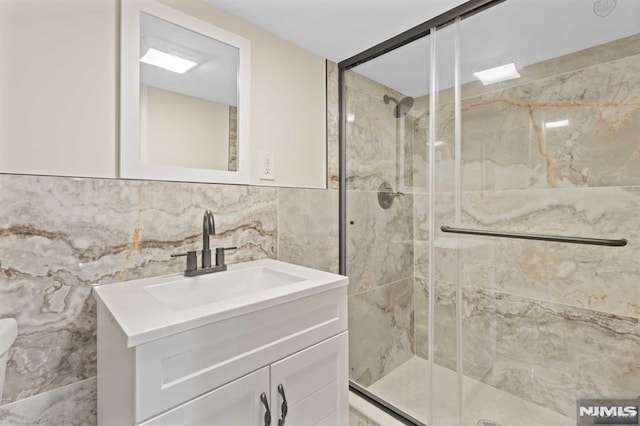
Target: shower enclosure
{"x":494,"y":120}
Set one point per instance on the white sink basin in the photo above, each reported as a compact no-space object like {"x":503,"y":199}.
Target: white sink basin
{"x":153,"y":308}
{"x":186,"y":293}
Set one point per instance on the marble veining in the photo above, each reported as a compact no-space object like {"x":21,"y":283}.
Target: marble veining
{"x":73,"y":405}
{"x":333,"y":128}
{"x":61,"y":236}
{"x":506,"y":144}
{"x":547,"y":353}
{"x":381,"y":331}
{"x":600,"y":278}
{"x":379,"y":242}
{"x":375,"y":137}
{"x":307,"y":234}
{"x":356,"y":418}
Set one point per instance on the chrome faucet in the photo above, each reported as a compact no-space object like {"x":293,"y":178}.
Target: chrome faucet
{"x":208,"y":228}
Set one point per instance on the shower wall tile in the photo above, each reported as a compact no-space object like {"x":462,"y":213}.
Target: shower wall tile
{"x":333,"y":128}
{"x":73,"y":405}
{"x":421,"y":315}
{"x":379,"y":242}
{"x":308,"y":227}
{"x":421,"y":217}
{"x":356,"y":418}
{"x":506,"y":145}
{"x":572,"y":62}
{"x":547,"y":353}
{"x":418,"y":158}
{"x":372,"y":135}
{"x":380,"y":330}
{"x":465,"y":260}
{"x":600,"y":278}
{"x":457,"y":262}
{"x":61,"y":236}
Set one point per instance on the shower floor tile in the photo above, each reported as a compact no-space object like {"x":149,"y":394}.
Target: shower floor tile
{"x":406,"y":387}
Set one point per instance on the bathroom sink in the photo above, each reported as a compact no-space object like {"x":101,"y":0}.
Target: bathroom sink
{"x":185,"y":293}
{"x":152,"y":308}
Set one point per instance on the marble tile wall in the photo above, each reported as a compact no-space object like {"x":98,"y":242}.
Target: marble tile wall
{"x":60,"y":236}
{"x":373,"y":151}
{"x":507,"y":146}
{"x":333,"y":128}
{"x":73,"y":405}
{"x":593,"y":277}
{"x":356,"y":418}
{"x":380,"y":330}
{"x":308,"y":227}
{"x":379,"y":241}
{"x":547,"y":353}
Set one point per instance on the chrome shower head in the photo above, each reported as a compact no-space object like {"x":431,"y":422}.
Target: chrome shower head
{"x":403,"y":106}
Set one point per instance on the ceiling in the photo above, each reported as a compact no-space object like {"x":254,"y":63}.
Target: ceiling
{"x":335,"y":29}
{"x":524,"y":32}
{"x":519,"y":31}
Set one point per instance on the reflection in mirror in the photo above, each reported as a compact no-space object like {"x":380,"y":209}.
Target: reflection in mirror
{"x":184,"y":97}
{"x":188,"y":98}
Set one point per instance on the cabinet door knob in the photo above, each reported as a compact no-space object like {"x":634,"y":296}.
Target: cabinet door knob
{"x":267,"y":413}
{"x":283,"y":408}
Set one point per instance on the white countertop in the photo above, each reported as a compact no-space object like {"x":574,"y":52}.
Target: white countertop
{"x":144,"y":318}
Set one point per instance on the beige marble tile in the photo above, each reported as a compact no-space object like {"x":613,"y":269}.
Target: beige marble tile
{"x":594,"y":277}
{"x":333,"y":117}
{"x":421,"y":206}
{"x":376,"y":150}
{"x":73,"y":405}
{"x":608,"y":52}
{"x":506,"y":145}
{"x":379,"y":242}
{"x":421,"y":316}
{"x":308,"y":227}
{"x":547,"y":353}
{"x":380,"y":330}
{"x":356,"y":418}
{"x":60,"y":236}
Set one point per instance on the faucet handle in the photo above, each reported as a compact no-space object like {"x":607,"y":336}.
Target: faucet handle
{"x":192,"y":260}
{"x":220,"y":254}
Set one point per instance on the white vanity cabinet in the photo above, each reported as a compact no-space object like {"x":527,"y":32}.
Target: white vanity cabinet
{"x":236,"y":403}
{"x":312,"y":381}
{"x":214,"y":368}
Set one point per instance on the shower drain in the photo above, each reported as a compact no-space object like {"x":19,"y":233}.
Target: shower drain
{"x":485,"y":422}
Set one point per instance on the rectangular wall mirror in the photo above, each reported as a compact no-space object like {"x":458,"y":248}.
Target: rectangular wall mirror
{"x":185,"y":87}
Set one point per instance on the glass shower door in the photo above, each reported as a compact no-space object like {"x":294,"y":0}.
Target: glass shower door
{"x":386,"y":119}
{"x":539,"y":135}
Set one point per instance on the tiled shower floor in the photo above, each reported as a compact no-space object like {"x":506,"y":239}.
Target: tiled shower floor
{"x":406,"y":388}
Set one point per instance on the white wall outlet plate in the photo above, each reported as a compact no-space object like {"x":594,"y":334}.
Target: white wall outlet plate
{"x":267,"y":168}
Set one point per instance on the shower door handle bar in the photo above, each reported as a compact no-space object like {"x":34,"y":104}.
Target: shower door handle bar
{"x":552,"y":238}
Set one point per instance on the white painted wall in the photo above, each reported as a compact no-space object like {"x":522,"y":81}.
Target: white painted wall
{"x":170,"y":119}
{"x":58,"y":85}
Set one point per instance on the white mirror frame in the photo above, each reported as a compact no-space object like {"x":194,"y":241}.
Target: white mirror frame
{"x":131,"y":165}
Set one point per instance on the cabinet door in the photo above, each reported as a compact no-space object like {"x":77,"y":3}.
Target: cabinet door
{"x":234,"y":404}
{"x":315,"y":384}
